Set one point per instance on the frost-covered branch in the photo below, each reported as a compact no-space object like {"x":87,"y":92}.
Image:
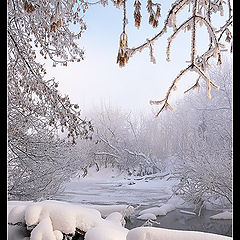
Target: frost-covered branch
{"x":201,"y":14}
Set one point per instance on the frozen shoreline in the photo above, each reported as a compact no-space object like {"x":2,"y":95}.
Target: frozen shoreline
{"x":110,"y":193}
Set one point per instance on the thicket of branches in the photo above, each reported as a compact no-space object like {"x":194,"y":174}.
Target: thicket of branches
{"x":122,"y":141}
{"x":204,"y":148}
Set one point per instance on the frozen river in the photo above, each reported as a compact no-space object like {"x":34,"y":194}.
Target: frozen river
{"x":118,"y":191}
{"x":106,"y":189}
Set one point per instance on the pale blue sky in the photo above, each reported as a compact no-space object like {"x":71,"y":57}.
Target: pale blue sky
{"x":99,"y":79}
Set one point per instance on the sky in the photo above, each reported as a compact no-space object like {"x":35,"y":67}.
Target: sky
{"x":99,"y":80}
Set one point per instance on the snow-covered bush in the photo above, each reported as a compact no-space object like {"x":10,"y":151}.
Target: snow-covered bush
{"x":205,"y":145}
{"x":39,"y":166}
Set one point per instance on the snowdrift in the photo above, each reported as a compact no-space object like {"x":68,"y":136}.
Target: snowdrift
{"x":50,"y":220}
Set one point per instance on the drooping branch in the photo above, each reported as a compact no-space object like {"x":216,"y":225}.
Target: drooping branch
{"x":172,"y":88}
{"x":201,"y":14}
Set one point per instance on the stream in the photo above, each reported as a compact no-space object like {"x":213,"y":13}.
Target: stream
{"x":144,"y":193}
{"x":182,"y":221}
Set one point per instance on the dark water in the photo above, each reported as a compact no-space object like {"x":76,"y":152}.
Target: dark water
{"x":182,"y":221}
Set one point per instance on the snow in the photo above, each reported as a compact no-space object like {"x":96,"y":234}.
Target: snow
{"x":65,"y":217}
{"x":44,"y":231}
{"x":110,"y":229}
{"x":159,"y":211}
{"x":107,"y":231}
{"x":17,"y":214}
{"x":188,"y":212}
{"x":110,"y":186}
{"x":147,"y":216}
{"x":152,"y":233}
{"x":224,"y":215}
{"x":105,"y":210}
{"x":117,"y":218}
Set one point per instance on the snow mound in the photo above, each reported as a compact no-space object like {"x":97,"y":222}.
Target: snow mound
{"x":17,"y":214}
{"x":48,"y":215}
{"x":125,"y":209}
{"x":158,"y":211}
{"x":147,"y":233}
{"x":110,"y":229}
{"x":12,"y":204}
{"x":151,"y":210}
{"x":147,"y":216}
{"x":50,"y":220}
{"x":171,"y":205}
{"x":117,"y":218}
{"x":107,"y":231}
{"x":224,"y":215}
{"x":44,"y":231}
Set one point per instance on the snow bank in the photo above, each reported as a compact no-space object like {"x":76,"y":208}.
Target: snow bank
{"x":110,"y":229}
{"x":147,"y":216}
{"x":105,"y":210}
{"x":107,"y":231}
{"x":50,"y":219}
{"x":224,"y":215}
{"x":12,"y":204}
{"x":158,"y":211}
{"x":64,"y":217}
{"x":17,"y":214}
{"x":152,"y":233}
{"x":44,"y":230}
{"x":116,"y":218}
{"x":172,"y":204}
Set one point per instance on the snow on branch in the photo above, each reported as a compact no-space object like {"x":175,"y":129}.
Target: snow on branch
{"x":172,"y":88}
{"x":201,"y":14}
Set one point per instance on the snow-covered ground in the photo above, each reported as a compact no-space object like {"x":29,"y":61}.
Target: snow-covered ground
{"x":97,"y":205}
{"x":109,"y":186}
